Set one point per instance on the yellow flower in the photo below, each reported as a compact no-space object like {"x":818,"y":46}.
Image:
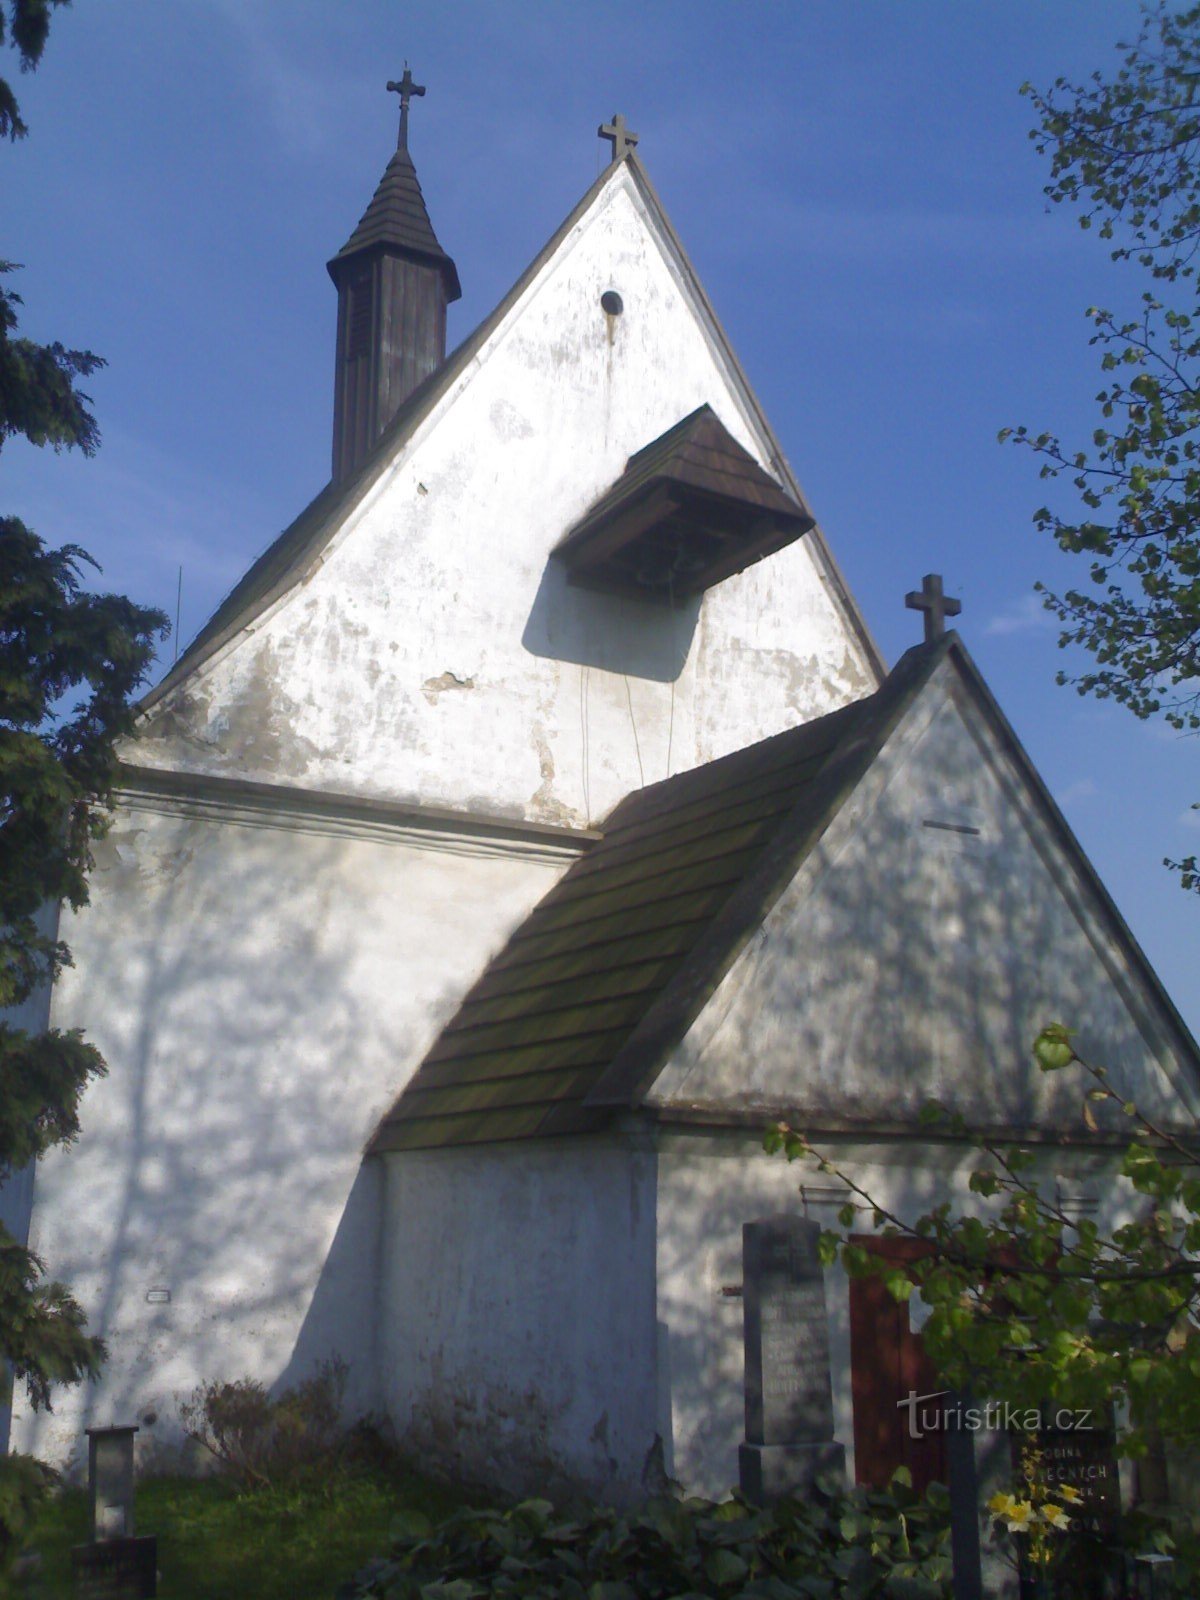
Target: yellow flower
{"x":1056,"y":1517}
{"x":1069,"y":1493}
{"x":1000,"y":1504}
{"x":1018,"y":1516}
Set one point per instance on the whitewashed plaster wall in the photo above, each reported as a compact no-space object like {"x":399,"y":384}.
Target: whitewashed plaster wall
{"x":907,"y":962}
{"x":436,"y":653}
{"x":518,"y":1345}
{"x":710,"y":1184}
{"x":261,"y":986}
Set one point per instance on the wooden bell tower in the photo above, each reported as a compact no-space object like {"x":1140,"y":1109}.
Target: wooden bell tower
{"x":394,"y":282}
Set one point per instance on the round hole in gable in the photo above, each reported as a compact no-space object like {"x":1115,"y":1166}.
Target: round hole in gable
{"x":611,"y":303}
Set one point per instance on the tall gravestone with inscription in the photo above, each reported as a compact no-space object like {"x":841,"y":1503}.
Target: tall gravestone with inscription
{"x":789,"y":1398}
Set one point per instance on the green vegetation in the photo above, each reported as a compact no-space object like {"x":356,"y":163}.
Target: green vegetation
{"x":1125,"y":150}
{"x":216,"y":1542}
{"x":852,"y":1545}
{"x":298,"y":1437}
{"x":1032,"y":1305}
{"x":321,"y":1539}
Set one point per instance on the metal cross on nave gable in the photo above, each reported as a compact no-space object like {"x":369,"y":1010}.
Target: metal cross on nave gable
{"x":618,"y":134}
{"x":936,"y":605}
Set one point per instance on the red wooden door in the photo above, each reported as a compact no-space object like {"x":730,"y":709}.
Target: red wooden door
{"x":888,"y":1365}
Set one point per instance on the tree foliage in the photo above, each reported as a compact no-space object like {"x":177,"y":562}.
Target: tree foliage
{"x":1031,"y":1304}
{"x":70,"y":662}
{"x":38,"y":397}
{"x":1125,"y":150}
{"x":24,"y":24}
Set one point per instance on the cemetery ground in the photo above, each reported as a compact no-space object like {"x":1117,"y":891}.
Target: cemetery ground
{"x":220,"y":1541}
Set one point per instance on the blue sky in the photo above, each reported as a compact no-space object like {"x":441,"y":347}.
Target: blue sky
{"x":853,"y":181}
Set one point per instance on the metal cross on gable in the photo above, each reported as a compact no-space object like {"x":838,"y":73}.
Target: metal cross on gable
{"x":936,"y":605}
{"x":406,"y":88}
{"x":618,"y":134}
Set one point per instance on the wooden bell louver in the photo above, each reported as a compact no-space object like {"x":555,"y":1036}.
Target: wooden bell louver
{"x":690,"y":509}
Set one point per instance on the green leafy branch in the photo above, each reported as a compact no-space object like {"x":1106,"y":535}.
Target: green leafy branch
{"x":1029,"y":1303}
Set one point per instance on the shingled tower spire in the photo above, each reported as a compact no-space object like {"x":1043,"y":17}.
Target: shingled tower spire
{"x":394,"y":282}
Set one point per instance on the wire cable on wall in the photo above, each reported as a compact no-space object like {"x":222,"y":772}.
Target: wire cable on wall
{"x":633,"y":724}
{"x":583,"y":731}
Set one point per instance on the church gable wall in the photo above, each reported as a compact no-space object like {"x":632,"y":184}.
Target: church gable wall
{"x":518,"y":1346}
{"x":933,"y":932}
{"x":437,"y":652}
{"x":261,"y":990}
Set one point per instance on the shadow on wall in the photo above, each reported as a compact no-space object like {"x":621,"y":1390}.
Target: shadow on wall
{"x":921,"y":963}
{"x":615,"y":633}
{"x":224,"y":1144}
{"x":342,"y":1316}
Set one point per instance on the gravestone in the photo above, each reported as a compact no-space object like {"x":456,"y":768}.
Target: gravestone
{"x":984,"y":1455}
{"x":789,"y":1398}
{"x":115,"y":1565}
{"x":1086,"y":1459}
{"x":110,"y":1481}
{"x":978,"y":1465}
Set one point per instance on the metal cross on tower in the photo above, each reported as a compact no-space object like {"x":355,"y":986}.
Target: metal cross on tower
{"x":618,"y":134}
{"x":406,"y":88}
{"x":936,"y":605}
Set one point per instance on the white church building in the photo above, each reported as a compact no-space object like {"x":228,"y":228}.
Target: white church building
{"x":534,"y":823}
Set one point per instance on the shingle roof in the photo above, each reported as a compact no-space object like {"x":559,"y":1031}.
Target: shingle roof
{"x":700,"y":452}
{"x":576,"y":1017}
{"x":577,"y":1013}
{"x":397,"y":220}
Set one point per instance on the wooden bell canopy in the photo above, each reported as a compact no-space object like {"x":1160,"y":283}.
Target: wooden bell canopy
{"x":690,"y":509}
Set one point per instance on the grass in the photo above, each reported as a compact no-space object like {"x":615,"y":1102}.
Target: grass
{"x":216,"y":1543}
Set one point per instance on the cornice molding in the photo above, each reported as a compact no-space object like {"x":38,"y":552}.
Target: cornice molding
{"x":243,"y":803}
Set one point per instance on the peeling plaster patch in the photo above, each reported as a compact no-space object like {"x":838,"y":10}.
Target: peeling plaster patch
{"x":542,"y":804}
{"x":432,"y":687}
{"x":119,"y":851}
{"x":854,"y":677}
{"x":259,"y":732}
{"x":184,"y":716}
{"x":508,"y":422}
{"x":172,"y":864}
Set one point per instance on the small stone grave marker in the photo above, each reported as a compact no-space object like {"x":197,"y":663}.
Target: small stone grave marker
{"x":789,"y":1398}
{"x":115,"y":1565}
{"x":1086,"y":1459}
